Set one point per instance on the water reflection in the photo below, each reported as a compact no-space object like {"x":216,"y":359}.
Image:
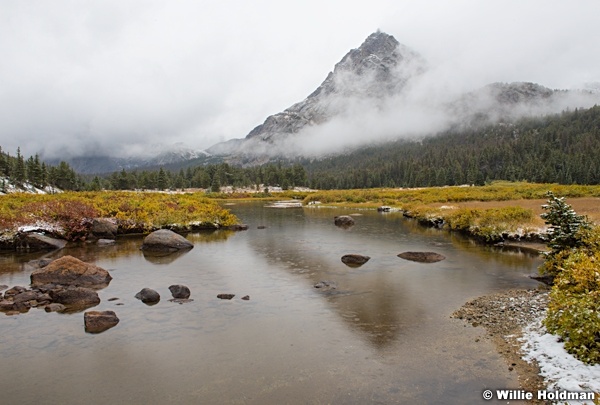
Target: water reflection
{"x":384,"y":335}
{"x":386,"y":297}
{"x":162,"y":257}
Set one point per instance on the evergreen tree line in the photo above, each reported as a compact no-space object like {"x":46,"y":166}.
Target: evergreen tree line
{"x":561,"y":148}
{"x":18,"y":170}
{"x":212,"y":177}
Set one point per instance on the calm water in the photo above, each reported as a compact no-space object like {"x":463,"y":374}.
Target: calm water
{"x":384,"y":336}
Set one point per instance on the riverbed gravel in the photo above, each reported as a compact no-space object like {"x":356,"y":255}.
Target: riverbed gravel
{"x":504,"y":316}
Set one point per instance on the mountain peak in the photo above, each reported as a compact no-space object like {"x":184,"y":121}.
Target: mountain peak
{"x":380,"y":67}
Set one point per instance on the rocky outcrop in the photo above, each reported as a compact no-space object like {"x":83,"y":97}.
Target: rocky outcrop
{"x":71,"y":271}
{"x":148,"y":296}
{"x":343,"y":221}
{"x":99,"y":321}
{"x":422,"y":257}
{"x":165,"y":240}
{"x":354,"y":260}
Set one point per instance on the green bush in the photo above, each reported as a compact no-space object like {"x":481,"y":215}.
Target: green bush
{"x":574,"y":317}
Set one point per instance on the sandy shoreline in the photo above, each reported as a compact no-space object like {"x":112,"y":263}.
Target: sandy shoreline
{"x":504,"y":315}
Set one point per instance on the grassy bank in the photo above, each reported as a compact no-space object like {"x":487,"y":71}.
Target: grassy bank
{"x":134,"y":212}
{"x":495,"y":212}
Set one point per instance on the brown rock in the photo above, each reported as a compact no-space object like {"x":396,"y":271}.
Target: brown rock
{"x":99,"y":321}
{"x":344,"y":221}
{"x":71,"y":271}
{"x":75,"y":297}
{"x":180,"y":291}
{"x":354,"y":260}
{"x":148,"y":296}
{"x":422,"y":257}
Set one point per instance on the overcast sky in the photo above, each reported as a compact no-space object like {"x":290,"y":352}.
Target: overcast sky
{"x":120,"y":75}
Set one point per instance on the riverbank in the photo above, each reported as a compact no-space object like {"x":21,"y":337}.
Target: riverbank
{"x":504,"y":315}
{"x":512,"y":321}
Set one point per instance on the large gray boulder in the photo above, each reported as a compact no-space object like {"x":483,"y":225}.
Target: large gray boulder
{"x":165,"y":240}
{"x":71,"y":271}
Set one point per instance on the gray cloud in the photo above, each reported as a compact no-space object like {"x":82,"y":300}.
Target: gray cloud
{"x":86,"y":77}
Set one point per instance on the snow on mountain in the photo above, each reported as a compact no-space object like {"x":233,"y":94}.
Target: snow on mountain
{"x":380,"y":68}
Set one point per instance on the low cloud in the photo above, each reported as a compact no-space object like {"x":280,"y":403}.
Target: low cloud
{"x":113,"y":77}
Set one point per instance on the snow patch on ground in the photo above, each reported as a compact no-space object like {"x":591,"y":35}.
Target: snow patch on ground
{"x":6,"y":187}
{"x":42,"y":226}
{"x":561,"y":370}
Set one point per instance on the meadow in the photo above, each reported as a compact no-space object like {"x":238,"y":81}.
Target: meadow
{"x":72,"y":212}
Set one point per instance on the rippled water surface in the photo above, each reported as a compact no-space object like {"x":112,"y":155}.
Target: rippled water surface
{"x":383,"y":336}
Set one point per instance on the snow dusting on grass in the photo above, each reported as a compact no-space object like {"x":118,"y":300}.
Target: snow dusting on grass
{"x":561,"y":370}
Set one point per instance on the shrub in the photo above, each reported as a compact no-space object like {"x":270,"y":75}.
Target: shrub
{"x":574,"y":262}
{"x":574,"y":317}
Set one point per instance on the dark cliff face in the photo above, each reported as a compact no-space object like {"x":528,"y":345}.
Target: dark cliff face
{"x":379,"y":68}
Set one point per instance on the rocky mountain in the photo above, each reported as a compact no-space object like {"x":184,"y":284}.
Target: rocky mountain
{"x":381,"y":67}
{"x":375,"y":77}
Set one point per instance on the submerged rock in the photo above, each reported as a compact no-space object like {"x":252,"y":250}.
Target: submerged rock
{"x":238,"y":227}
{"x":68,"y":270}
{"x":54,"y":307}
{"x":354,"y":260}
{"x":225,"y":296}
{"x":99,"y":321}
{"x":106,"y":242}
{"x":165,"y":240}
{"x":326,"y":285}
{"x":422,"y":257}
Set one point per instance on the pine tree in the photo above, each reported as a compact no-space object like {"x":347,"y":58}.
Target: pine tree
{"x":565,"y":224}
{"x":162,"y":182}
{"x":19,"y":171}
